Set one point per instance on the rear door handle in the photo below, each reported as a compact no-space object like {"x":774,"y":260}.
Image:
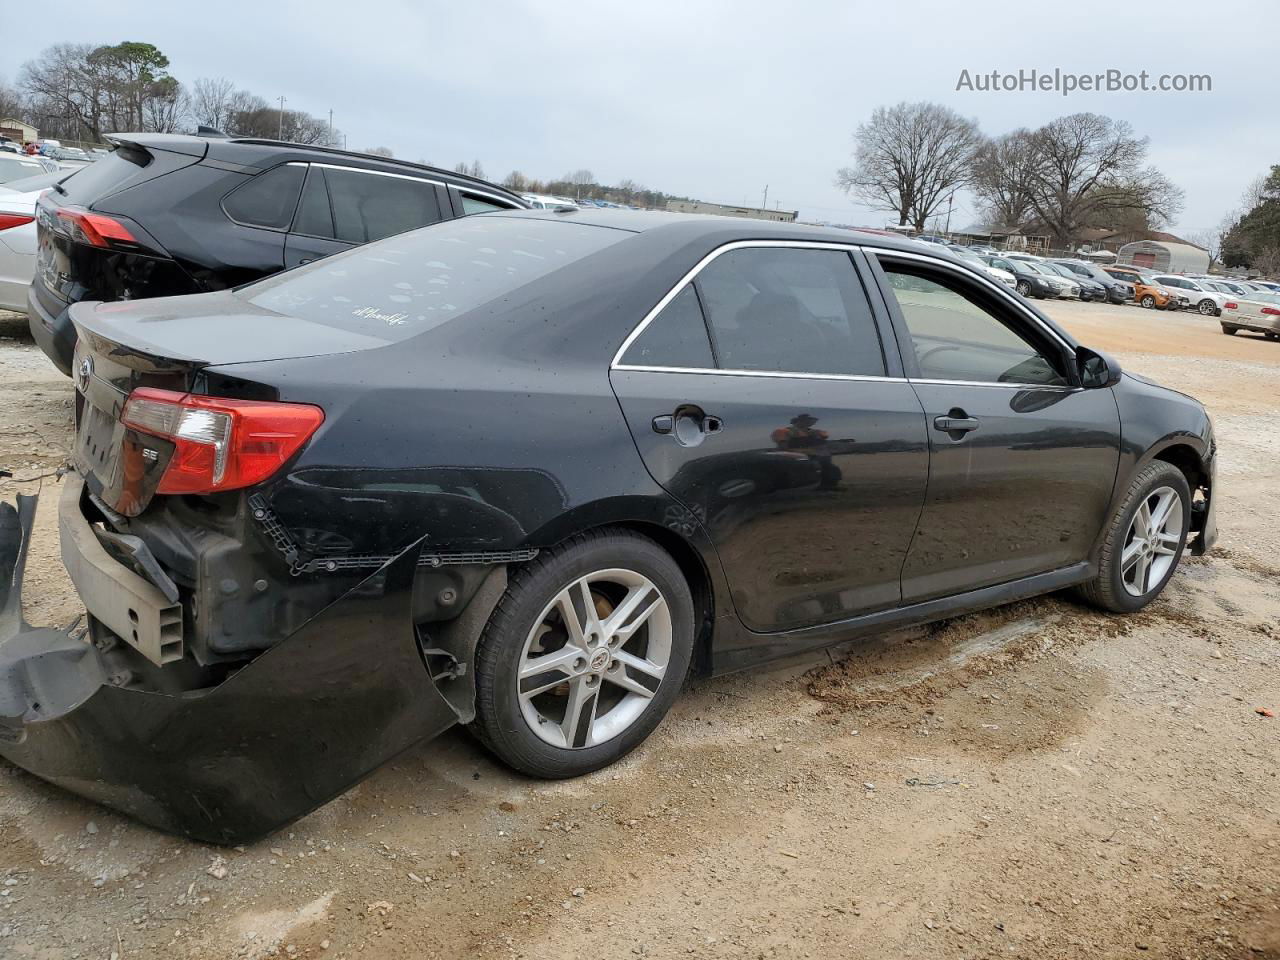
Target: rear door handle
{"x":956,"y":424}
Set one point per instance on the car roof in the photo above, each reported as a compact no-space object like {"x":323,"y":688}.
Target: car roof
{"x":690,"y":225}
{"x":255,"y":151}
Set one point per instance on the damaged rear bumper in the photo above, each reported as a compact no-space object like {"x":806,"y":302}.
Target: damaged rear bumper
{"x":228,"y":763}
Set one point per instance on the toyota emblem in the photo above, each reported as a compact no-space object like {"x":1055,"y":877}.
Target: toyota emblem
{"x":85,"y":373}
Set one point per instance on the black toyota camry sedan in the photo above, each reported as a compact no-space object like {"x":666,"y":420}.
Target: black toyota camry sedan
{"x":528,"y":472}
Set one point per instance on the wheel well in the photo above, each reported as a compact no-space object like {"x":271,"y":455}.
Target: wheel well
{"x":695,"y":573}
{"x":1187,"y":460}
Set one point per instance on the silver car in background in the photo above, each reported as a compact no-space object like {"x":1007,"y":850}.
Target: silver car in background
{"x":18,"y":236}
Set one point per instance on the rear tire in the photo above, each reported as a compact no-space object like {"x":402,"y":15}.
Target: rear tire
{"x":1229,"y":331}
{"x":564,"y":719}
{"x":1207,"y":308}
{"x":1133,"y":568}
{"x":1023,"y":288}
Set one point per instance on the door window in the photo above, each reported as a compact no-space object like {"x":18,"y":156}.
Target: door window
{"x":472,"y":205}
{"x":789,"y":310}
{"x":956,"y":337}
{"x":268,"y":199}
{"x":676,"y":337}
{"x":370,"y":206}
{"x":314,"y":218}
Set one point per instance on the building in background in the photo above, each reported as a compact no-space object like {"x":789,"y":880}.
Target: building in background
{"x":1165,"y":256}
{"x":17,"y":130}
{"x":720,"y":210}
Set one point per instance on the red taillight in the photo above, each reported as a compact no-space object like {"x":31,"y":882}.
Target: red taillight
{"x":220,"y":444}
{"x":1230,"y":305}
{"x":10,"y":220}
{"x":95,"y":229}
{"x":1271,"y":311}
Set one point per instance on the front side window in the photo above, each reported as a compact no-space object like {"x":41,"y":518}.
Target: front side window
{"x":789,"y":310}
{"x":370,"y":206}
{"x":268,"y":199}
{"x":956,"y":337}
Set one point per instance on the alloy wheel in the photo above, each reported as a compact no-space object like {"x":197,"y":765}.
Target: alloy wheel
{"x":1151,"y":546}
{"x":1207,"y":307}
{"x":595,"y":658}
{"x":1148,"y":301}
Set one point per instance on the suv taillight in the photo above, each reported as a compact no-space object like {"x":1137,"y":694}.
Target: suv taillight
{"x":95,"y":229}
{"x":220,"y":444}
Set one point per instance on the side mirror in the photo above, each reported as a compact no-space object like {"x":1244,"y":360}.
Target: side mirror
{"x":1096,"y":369}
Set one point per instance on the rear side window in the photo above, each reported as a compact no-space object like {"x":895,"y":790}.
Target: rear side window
{"x":472,"y":205}
{"x":408,"y":284}
{"x":790,"y":310}
{"x":370,"y":206}
{"x":676,"y":337}
{"x":268,"y":199}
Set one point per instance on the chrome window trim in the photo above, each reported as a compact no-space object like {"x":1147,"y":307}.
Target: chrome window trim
{"x":372,"y":173}
{"x":793,"y":375}
{"x":991,"y":283}
{"x":506,"y":203}
{"x":616,"y":363}
{"x":776,"y":374}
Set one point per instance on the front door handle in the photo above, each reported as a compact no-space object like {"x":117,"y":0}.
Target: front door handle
{"x":956,"y":424}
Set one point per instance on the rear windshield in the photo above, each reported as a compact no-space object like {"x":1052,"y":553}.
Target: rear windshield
{"x":104,"y":175}
{"x":397,"y":288}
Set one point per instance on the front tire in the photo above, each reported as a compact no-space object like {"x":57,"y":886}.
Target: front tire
{"x":1207,"y":308}
{"x":1148,"y":301}
{"x":584,"y":655}
{"x":1144,"y":541}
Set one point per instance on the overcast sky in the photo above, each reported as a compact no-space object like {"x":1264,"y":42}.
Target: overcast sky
{"x":709,"y":98}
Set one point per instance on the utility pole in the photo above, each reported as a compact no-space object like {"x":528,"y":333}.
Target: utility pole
{"x":280,"y":135}
{"x":950,"y":200}
{"x":331,"y":126}
{"x":765,"y":204}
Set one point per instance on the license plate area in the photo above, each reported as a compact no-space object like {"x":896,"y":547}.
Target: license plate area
{"x":97,"y":444}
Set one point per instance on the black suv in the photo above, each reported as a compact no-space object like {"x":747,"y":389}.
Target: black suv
{"x":166,"y":214}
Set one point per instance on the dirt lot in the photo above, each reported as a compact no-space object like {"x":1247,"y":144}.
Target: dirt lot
{"x":1037,"y":781}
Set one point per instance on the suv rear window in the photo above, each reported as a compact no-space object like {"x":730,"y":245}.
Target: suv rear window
{"x":105,"y":174}
{"x":404,"y":285}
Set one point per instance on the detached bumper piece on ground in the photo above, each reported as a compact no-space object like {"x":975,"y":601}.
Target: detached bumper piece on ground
{"x":227,"y":764}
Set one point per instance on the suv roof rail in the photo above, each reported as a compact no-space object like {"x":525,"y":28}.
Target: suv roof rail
{"x":335,"y":151}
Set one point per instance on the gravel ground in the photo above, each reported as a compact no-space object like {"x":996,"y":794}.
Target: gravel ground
{"x":1035,"y":781}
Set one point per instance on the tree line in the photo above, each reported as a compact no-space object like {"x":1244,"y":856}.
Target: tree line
{"x":1250,"y":235}
{"x":1074,"y":173}
{"x":80,"y":91}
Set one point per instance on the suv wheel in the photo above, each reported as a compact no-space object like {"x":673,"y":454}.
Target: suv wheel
{"x":1144,"y":541}
{"x":1229,"y":331}
{"x":1148,"y":301}
{"x":584,"y":655}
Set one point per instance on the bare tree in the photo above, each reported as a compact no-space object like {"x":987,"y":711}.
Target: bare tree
{"x":213,"y":102}
{"x":515,"y":180}
{"x":1088,"y":165}
{"x":379,"y":152}
{"x":1254,"y":193}
{"x":1004,"y":178}
{"x":473,"y":169}
{"x":12,"y":103}
{"x":909,"y":158}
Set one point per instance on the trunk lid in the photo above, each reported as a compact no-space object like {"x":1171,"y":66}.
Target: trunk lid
{"x":166,"y":343}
